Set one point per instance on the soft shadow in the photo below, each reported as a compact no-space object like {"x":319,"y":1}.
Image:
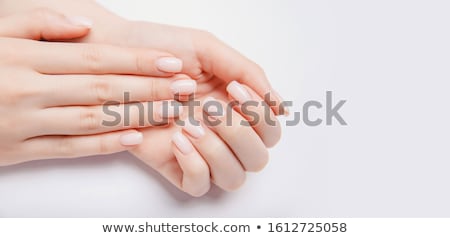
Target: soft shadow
{"x":100,"y":161}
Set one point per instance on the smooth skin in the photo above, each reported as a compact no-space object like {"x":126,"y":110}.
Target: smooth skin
{"x":214,"y":66}
{"x":52,"y":93}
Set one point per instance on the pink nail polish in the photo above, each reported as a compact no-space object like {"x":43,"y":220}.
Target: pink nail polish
{"x":169,"y":64}
{"x":238,"y":92}
{"x":195,"y":131}
{"x":135,"y":138}
{"x":184,"y":87}
{"x":283,"y":109}
{"x":182,"y":143}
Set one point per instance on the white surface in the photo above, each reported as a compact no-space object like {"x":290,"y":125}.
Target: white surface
{"x":388,"y":59}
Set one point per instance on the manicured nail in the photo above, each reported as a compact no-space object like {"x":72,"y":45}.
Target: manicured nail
{"x":184,"y":87}
{"x":134,"y":138}
{"x":182,"y":143}
{"x":194,"y":128}
{"x":170,"y":109}
{"x":80,"y":21}
{"x":169,"y":64}
{"x":213,"y":107}
{"x":283,"y":109}
{"x":238,"y":92}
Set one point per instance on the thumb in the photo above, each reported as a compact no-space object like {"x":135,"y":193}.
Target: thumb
{"x":44,"y":24}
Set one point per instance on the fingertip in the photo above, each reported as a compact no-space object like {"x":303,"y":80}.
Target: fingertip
{"x":183,"y":87}
{"x":195,"y":179}
{"x":282,"y":108}
{"x":132,"y":138}
{"x":169,"y":64}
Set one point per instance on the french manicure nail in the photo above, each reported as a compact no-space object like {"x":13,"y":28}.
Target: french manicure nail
{"x":80,"y":21}
{"x":182,"y":143}
{"x":184,"y":87}
{"x":135,"y":138}
{"x":170,"y":109}
{"x":169,"y":64}
{"x":238,"y":92}
{"x":195,"y":131}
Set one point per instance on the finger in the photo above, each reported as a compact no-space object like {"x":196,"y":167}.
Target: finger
{"x":195,"y":178}
{"x":256,"y":112}
{"x":84,"y":58}
{"x":237,"y":67}
{"x":86,"y":120}
{"x":226,"y":170}
{"x":77,"y":146}
{"x":100,"y":89}
{"x":237,"y":133}
{"x":44,"y":24}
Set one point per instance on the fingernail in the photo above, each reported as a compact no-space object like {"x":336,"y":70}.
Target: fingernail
{"x":238,"y":92}
{"x":283,"y":109}
{"x":169,"y":64}
{"x":195,"y":130}
{"x":184,"y":87}
{"x":135,"y":138}
{"x":80,"y":21}
{"x":213,"y":107}
{"x":170,"y":109}
{"x":182,"y":143}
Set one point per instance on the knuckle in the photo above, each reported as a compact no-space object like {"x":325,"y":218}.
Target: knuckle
{"x":102,"y":89}
{"x":141,"y":63}
{"x":90,"y":120}
{"x":154,"y":85}
{"x":92,"y":56}
{"x":64,"y":146}
{"x":102,"y":146}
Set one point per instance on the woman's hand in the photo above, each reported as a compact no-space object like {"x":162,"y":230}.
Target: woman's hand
{"x":204,"y":153}
{"x":52,"y":94}
{"x":214,"y":65}
{"x":224,"y":153}
{"x":205,"y":56}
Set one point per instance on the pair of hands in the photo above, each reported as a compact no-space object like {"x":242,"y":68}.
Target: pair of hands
{"x":54,"y":91}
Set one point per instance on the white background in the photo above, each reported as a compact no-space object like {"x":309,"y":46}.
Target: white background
{"x":388,"y":58}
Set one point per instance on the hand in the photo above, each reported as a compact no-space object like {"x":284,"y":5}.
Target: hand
{"x":223,"y":153}
{"x":207,"y":60}
{"x":205,"y":56}
{"x":219,"y":153}
{"x":52,"y":93}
